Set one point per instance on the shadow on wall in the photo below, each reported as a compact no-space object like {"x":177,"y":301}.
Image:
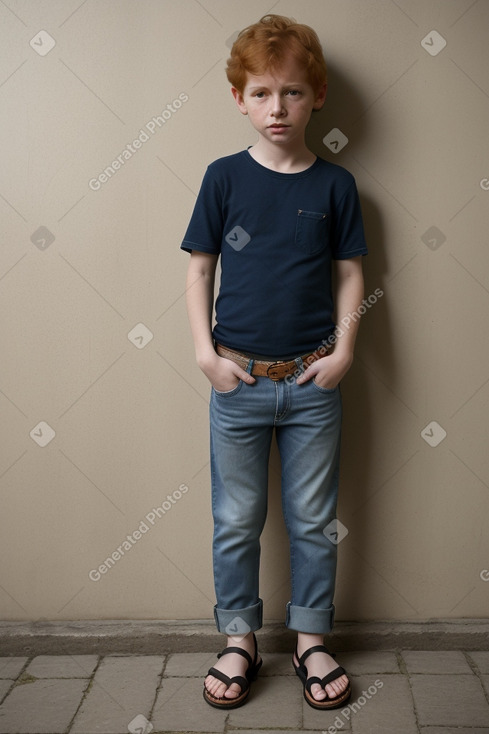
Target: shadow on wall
{"x":344,"y":107}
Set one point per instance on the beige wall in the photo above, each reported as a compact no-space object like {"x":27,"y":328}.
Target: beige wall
{"x":130,"y":417}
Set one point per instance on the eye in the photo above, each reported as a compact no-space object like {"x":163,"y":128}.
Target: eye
{"x":294,"y":92}
{"x":259,"y":95}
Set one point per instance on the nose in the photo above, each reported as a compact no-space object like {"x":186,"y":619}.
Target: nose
{"x":277,"y":106}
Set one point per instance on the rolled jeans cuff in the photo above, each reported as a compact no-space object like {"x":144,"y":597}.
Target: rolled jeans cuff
{"x":311,"y":621}
{"x":238,"y":622}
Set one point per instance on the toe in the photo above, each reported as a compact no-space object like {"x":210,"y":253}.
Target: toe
{"x":233,"y":691}
{"x":337,"y":687}
{"x":218,"y":689}
{"x":317,"y":692}
{"x":214,"y":686}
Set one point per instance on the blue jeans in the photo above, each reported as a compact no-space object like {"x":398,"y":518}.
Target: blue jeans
{"x":307,"y":423}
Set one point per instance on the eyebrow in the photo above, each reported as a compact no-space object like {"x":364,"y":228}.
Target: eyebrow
{"x":289,"y":84}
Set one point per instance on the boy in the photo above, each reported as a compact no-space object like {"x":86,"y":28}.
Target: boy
{"x":278,"y":216}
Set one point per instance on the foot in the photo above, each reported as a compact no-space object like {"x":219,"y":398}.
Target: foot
{"x":231,"y":665}
{"x":319,"y":664}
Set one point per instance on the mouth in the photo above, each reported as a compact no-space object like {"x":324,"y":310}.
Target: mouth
{"x":278,"y":127}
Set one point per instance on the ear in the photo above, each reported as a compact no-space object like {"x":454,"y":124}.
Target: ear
{"x":320,"y":97}
{"x":238,"y":98}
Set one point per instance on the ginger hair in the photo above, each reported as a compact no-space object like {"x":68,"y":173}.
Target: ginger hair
{"x":263,"y":46}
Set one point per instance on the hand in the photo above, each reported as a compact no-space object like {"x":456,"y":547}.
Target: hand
{"x":328,"y":371}
{"x":224,"y":374}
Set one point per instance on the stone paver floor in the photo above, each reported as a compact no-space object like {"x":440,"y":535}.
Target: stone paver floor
{"x":401,"y":692}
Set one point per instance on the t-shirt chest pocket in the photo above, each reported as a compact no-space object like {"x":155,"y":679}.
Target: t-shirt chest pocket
{"x":311,"y":232}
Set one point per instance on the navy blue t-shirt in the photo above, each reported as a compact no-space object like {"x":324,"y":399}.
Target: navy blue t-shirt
{"x":277,"y":234}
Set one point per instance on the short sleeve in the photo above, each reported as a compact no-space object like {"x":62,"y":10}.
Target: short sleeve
{"x":347,"y":227}
{"x":204,"y":232}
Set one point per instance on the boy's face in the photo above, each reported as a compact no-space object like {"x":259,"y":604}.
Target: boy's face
{"x":279,"y":103}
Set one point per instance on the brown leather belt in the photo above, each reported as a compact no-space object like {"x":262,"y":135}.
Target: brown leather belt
{"x":274,"y":370}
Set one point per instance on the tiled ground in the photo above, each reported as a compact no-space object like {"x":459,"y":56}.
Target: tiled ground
{"x":400,"y":692}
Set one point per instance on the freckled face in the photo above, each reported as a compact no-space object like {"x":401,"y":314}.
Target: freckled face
{"x":279,"y":104}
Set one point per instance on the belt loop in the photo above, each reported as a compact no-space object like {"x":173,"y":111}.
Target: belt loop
{"x":300,"y":364}
{"x":250,"y":366}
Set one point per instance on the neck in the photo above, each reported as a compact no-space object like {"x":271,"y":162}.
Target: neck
{"x":281,"y":158}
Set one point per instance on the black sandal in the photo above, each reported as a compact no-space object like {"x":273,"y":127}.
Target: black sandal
{"x":243,"y":682}
{"x":301,"y":670}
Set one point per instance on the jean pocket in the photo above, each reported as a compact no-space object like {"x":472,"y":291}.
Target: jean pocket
{"x":311,"y":231}
{"x":227,"y":393}
{"x":325,"y":390}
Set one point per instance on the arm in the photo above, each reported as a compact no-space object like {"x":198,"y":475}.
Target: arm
{"x":224,"y":374}
{"x":328,"y":371}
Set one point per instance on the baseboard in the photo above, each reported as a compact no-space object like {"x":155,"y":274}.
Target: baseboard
{"x":145,"y":637}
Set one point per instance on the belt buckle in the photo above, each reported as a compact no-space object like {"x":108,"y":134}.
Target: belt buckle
{"x":273,"y":371}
